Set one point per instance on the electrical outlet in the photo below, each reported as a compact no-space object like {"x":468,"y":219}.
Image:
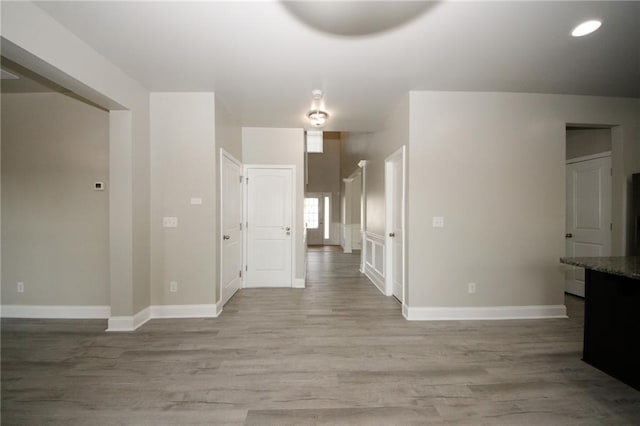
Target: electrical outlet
{"x":170,"y":222}
{"x":472,"y":288}
{"x":173,"y":286}
{"x":20,"y":287}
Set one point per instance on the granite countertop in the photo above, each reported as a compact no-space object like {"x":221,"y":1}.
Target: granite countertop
{"x":626,"y":266}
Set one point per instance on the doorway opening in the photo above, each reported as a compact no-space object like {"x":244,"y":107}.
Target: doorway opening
{"x":589,"y":171}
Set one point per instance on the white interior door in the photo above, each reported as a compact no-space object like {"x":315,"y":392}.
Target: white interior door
{"x":231,"y":214}
{"x":394,"y":176}
{"x":588,"y":231}
{"x":269,"y":227}
{"x":314,"y":218}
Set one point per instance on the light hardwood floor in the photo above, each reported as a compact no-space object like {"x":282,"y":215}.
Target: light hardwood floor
{"x":337,"y":352}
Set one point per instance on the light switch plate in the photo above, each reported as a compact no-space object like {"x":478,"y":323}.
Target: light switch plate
{"x":196,"y":201}
{"x":437,"y":222}
{"x":170,"y":222}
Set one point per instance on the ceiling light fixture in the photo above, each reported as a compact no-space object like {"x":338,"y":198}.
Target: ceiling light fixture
{"x":586,"y":27}
{"x":317,"y":116}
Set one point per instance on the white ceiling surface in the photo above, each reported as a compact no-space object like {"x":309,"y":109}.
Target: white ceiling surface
{"x":263,"y":60}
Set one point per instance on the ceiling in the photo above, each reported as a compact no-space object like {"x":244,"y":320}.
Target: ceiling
{"x":263,"y":58}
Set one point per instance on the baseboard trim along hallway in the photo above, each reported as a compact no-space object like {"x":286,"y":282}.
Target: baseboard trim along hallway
{"x":484,"y":313}
{"x":131,"y":323}
{"x":55,"y":311}
{"x":115,"y":323}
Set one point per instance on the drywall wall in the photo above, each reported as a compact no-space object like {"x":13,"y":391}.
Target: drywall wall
{"x":375,"y":148}
{"x":583,"y":142}
{"x":183,"y":167}
{"x":55,"y":229}
{"x":324,"y":176}
{"x":38,"y":42}
{"x":492,"y":164}
{"x":261,"y":145}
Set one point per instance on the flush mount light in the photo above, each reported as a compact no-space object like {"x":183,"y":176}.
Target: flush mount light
{"x":586,"y":27}
{"x":318,"y":118}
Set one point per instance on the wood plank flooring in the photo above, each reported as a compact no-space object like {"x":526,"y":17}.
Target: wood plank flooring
{"x":337,"y":352}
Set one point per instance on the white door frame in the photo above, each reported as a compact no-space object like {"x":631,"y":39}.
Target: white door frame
{"x":224,"y":154}
{"x":363,"y":215}
{"x":294,"y":218}
{"x":388,"y":207}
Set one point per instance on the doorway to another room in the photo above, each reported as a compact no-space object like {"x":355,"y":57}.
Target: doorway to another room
{"x":589,"y":172}
{"x":322,"y":201}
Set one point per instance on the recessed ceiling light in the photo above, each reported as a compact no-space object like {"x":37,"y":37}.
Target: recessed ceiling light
{"x":586,"y":27}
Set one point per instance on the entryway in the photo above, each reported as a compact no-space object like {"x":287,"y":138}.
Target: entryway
{"x":588,"y":185}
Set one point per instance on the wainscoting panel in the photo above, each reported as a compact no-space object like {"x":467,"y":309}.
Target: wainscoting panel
{"x":374,"y":264}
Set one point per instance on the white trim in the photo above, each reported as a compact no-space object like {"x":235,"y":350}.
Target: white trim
{"x":131,"y":323}
{"x":375,"y":278}
{"x":224,"y":154}
{"x":55,"y":311}
{"x":141,"y":317}
{"x":120,"y":323}
{"x":400,"y":154}
{"x":589,"y":157}
{"x":363,"y":251}
{"x":375,"y":270}
{"x":484,"y":313}
{"x":363,"y":215}
{"x":186,"y":311}
{"x":299,"y":283}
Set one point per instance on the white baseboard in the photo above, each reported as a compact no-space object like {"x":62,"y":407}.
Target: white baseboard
{"x":186,"y":311}
{"x":131,"y":323}
{"x":120,"y":323}
{"x":55,"y":312}
{"x":142,"y":317}
{"x":299,"y":283}
{"x":484,"y":313}
{"x":375,"y":278}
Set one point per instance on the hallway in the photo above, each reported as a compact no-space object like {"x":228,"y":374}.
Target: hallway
{"x":337,"y":352}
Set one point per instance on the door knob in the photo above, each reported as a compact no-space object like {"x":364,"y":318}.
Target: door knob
{"x":568,"y":235}
{"x":286,"y":228}
{"x":225,"y":237}
{"x":392,"y":234}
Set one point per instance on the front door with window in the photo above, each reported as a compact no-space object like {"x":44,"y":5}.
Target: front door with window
{"x":316,"y":218}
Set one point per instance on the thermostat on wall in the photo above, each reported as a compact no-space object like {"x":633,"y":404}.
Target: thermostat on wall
{"x":98,"y":186}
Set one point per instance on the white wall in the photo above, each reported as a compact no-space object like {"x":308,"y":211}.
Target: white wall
{"x":262,"y":145}
{"x":375,"y":148}
{"x":55,"y":229}
{"x":183,"y":167}
{"x":33,"y":39}
{"x":583,"y":142}
{"x":493,"y":165}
